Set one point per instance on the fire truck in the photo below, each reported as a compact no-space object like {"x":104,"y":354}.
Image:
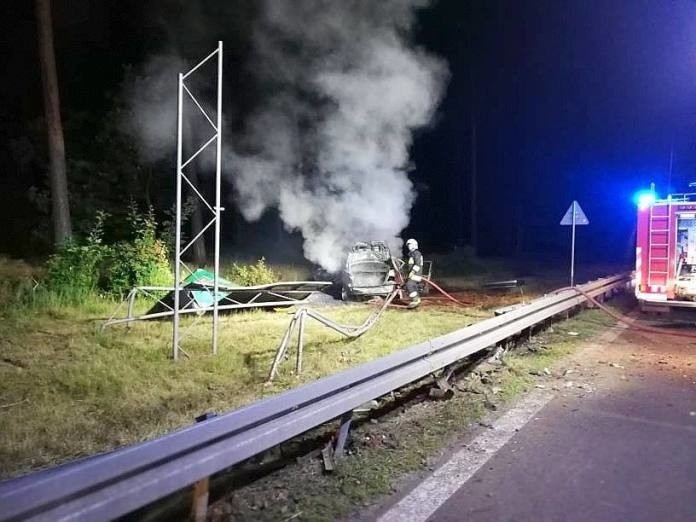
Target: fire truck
{"x":666,"y":252}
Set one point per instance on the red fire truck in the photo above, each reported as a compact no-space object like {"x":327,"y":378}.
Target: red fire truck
{"x":666,"y":252}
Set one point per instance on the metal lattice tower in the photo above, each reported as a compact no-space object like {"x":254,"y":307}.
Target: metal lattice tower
{"x":215,"y":209}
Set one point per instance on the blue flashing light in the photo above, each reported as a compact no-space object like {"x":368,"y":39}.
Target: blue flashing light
{"x":644,"y":198}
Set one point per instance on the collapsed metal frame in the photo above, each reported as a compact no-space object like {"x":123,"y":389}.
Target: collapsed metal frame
{"x":300,"y":317}
{"x":287,"y":298}
{"x":215,"y":209}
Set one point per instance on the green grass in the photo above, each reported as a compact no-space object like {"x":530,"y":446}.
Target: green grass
{"x":70,"y":389}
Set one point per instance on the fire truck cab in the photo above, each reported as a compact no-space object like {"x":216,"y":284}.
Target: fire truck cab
{"x":666,"y":252}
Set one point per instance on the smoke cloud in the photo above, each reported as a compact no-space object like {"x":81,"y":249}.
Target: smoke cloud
{"x":341,"y":89}
{"x":151,"y":101}
{"x":330,"y":146}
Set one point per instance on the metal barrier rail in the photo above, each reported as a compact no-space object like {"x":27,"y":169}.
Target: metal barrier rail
{"x":113,"y":484}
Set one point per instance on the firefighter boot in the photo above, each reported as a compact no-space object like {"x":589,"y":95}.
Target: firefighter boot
{"x":415,"y":302}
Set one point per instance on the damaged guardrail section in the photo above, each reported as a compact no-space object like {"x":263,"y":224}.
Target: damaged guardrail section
{"x":113,"y":484}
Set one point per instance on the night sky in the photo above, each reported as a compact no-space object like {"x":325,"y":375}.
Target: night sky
{"x":583,"y":99}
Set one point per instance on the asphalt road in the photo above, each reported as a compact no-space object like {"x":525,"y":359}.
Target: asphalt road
{"x":616,"y":443}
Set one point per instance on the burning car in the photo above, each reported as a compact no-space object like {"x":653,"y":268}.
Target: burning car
{"x":370,"y":270}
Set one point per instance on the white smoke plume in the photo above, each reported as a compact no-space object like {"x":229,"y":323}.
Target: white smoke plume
{"x":330,"y":146}
{"x":341,"y":90}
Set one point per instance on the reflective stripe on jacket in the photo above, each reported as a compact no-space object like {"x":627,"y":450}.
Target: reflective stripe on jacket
{"x":415,"y":264}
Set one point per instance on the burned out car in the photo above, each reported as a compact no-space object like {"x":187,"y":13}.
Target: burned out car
{"x":370,"y":270}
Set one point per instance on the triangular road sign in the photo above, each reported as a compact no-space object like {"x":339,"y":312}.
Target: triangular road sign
{"x":580,"y":217}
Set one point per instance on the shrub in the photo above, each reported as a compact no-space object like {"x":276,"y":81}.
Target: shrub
{"x":75,"y":269}
{"x":258,"y":273}
{"x":141,"y":260}
{"x":78,"y":268}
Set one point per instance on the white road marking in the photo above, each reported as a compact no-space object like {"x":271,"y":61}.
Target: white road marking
{"x":430,"y":494}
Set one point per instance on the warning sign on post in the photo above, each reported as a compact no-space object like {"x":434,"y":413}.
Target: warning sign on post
{"x":580,"y":217}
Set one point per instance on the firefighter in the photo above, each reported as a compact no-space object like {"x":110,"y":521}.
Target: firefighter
{"x":415,"y":269}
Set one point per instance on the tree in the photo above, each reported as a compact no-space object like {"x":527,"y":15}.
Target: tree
{"x":62,"y":228}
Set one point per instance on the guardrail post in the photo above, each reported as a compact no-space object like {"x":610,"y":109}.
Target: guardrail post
{"x":343,"y":431}
{"x":332,"y":452}
{"x":199,"y":506}
{"x":443,"y":389}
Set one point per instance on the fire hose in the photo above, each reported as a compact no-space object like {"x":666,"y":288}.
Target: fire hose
{"x":300,"y":316}
{"x":401,"y":282}
{"x":623,"y":319}
{"x":448,"y":296}
{"x":619,"y":317}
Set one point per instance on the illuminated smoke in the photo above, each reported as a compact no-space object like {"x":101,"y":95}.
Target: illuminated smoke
{"x":330,"y":144}
{"x":341,"y":88}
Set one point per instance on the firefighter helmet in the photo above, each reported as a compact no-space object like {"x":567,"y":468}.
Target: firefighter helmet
{"x":411,"y":244}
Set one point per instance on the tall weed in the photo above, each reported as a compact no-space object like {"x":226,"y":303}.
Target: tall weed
{"x":141,"y":260}
{"x":258,"y":273}
{"x":76,"y":268}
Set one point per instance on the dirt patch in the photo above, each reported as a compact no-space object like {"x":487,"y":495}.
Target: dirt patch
{"x":478,"y":299}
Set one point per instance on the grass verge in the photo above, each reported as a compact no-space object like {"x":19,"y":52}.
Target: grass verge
{"x":70,"y":389}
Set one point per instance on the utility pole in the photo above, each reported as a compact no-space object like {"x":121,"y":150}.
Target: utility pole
{"x":60,"y":205}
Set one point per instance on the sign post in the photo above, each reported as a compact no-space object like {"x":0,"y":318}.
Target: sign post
{"x":574,"y":216}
